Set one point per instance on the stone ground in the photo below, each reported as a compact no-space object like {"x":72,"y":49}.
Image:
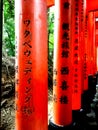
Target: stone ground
{"x":8,"y":107}
{"x":8,"y":113}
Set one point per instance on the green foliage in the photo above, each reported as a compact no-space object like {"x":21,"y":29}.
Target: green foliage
{"x":50,"y":45}
{"x":51,"y":28}
{"x":9,"y":34}
{"x":8,"y":27}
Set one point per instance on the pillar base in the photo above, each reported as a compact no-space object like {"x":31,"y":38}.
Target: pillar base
{"x":53,"y":126}
{"x":73,"y":126}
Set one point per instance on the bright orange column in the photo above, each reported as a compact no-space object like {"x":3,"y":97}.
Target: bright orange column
{"x":96,"y":39}
{"x":31,"y":87}
{"x":92,"y":5}
{"x":62,"y":92}
{"x":86,"y":54}
{"x":91,"y":43}
{"x":83,"y":40}
{"x":76,"y":51}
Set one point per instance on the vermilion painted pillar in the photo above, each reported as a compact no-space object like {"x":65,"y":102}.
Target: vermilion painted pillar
{"x":96,"y":38}
{"x":83,"y":40}
{"x":83,"y":57}
{"x":31,"y":65}
{"x":62,"y":92}
{"x":92,"y":5}
{"x":91,"y":43}
{"x":81,"y":37}
{"x":91,"y":58}
{"x":76,"y":57}
{"x":86,"y":54}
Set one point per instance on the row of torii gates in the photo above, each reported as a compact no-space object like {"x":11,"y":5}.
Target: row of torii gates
{"x":75,"y":58}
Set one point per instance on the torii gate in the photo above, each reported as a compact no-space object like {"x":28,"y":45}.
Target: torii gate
{"x":32,"y":65}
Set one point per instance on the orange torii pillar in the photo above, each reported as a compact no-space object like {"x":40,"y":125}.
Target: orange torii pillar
{"x":86,"y":52}
{"x":89,"y":79}
{"x":62,"y":91}
{"x":96,"y":40}
{"x":91,"y":43}
{"x":76,"y":59}
{"x":96,"y":28}
{"x":31,"y":88}
{"x":92,"y":5}
{"x":85,"y":105}
{"x":83,"y":40}
{"x":90,"y":55}
{"x":89,"y":94}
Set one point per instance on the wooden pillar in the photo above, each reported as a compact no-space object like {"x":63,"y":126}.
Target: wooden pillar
{"x":76,"y":51}
{"x":96,"y":38}
{"x":31,"y":88}
{"x":83,"y":40}
{"x":91,"y":43}
{"x":62,"y":92}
